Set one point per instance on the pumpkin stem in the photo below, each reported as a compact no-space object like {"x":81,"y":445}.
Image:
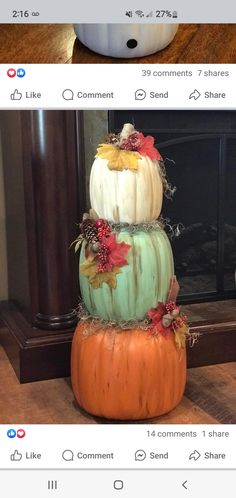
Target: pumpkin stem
{"x":126,"y":131}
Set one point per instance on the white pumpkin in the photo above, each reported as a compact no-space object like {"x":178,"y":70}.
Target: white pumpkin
{"x":126,"y":196}
{"x":126,"y":40}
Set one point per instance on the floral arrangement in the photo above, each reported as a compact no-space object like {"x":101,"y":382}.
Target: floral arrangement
{"x":166,"y":318}
{"x":123,"y":152}
{"x":104,"y":256}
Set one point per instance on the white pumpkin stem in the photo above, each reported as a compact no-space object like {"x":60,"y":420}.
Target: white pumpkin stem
{"x":126,"y":131}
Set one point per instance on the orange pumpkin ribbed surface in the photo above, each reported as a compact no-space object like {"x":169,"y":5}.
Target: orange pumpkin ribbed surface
{"x":126,"y":374}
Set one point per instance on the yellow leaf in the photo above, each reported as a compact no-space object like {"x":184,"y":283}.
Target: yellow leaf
{"x":180,"y":335}
{"x":105,"y":277}
{"x":118,"y":159}
{"x":88,"y":269}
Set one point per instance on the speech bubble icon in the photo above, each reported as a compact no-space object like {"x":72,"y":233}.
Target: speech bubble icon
{"x":68,"y":455}
{"x":67,"y":94}
{"x":140,"y":455}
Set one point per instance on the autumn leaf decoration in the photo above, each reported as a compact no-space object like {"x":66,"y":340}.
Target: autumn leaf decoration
{"x":96,"y":279}
{"x":166,"y":318}
{"x":118,"y":159}
{"x":123,"y":151}
{"x":104,"y":256}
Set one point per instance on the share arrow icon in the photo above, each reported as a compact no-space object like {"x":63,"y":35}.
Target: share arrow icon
{"x":195,"y":94}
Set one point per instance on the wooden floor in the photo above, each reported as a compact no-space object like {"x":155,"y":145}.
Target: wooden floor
{"x":210,"y":397}
{"x":56,"y":43}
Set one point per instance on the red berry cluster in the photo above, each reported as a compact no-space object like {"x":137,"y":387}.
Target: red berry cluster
{"x":170,"y":306}
{"x":103,"y":229}
{"x":95,"y":232}
{"x":131,"y":143}
{"x":103,"y":257}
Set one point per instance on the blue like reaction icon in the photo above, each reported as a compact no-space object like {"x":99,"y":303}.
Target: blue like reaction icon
{"x":11,"y":433}
{"x":20,"y":72}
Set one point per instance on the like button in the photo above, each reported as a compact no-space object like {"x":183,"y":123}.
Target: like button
{"x":16,"y":456}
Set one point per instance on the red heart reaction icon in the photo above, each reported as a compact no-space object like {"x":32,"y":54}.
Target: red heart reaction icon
{"x":20,"y":433}
{"x":11,"y":72}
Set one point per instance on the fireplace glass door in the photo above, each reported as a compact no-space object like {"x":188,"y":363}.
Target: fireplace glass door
{"x":199,"y":151}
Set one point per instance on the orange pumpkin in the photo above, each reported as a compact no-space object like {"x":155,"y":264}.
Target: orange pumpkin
{"x":126,"y":374}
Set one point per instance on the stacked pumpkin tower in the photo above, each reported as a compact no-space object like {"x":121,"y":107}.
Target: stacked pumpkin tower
{"x":128,"y":351}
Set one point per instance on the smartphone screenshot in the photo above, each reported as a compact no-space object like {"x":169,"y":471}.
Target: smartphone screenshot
{"x":117,"y":249}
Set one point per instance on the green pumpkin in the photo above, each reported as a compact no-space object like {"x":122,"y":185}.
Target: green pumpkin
{"x":141,"y":284}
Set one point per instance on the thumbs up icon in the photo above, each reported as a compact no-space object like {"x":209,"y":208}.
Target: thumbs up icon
{"x":16,"y":456}
{"x":16,"y":95}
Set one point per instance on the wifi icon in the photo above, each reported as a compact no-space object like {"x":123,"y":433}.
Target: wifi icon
{"x":139,"y":13}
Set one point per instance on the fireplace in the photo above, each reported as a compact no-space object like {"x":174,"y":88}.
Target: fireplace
{"x":199,"y":150}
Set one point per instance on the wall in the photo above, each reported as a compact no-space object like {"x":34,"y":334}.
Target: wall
{"x":95,"y":129}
